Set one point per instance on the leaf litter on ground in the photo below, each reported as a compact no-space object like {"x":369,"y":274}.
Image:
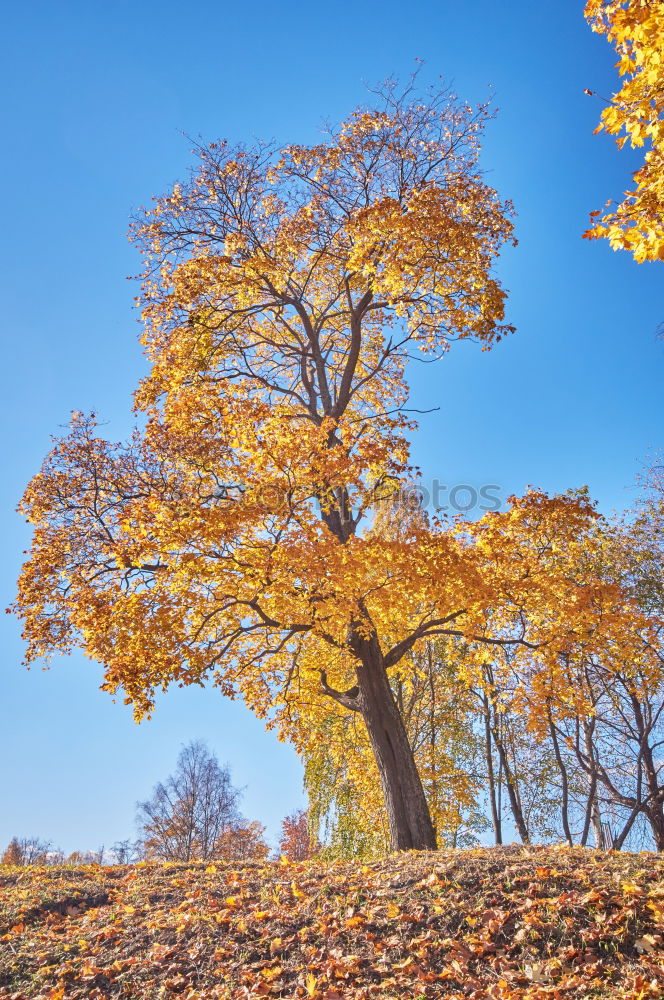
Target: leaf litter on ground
{"x":483,"y":924}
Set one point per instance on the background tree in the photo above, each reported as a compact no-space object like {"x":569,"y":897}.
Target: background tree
{"x":297,"y":842}
{"x":30,"y":851}
{"x":12,"y":854}
{"x":126,"y":852}
{"x":285,"y":292}
{"x":519,"y":777}
{"x":635,"y":114}
{"x":87,"y":857}
{"x":189,"y":813}
{"x":621,"y":751}
{"x":597,"y":715}
{"x":244,"y":841}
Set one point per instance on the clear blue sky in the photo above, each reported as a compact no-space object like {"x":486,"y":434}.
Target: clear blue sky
{"x":95,"y":98}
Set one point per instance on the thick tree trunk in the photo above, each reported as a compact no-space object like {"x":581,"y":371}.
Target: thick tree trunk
{"x":407,"y":810}
{"x":656,"y":820}
{"x":655,"y":810}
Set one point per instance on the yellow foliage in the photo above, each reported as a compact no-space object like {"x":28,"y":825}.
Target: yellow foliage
{"x":636,"y":113}
{"x":284,"y":292}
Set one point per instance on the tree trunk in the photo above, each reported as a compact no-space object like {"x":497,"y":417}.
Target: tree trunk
{"x":655,"y":810}
{"x":495,"y":811}
{"x":596,"y":818}
{"x":564,"y":783}
{"x":592,"y":791}
{"x":595,"y":813}
{"x":407,"y":810}
{"x":511,"y":785}
{"x":656,"y":820}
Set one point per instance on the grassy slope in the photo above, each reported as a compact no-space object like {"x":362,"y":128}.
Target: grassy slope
{"x":498,"y":923}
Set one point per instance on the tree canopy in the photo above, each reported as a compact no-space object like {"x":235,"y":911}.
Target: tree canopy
{"x":285,"y":291}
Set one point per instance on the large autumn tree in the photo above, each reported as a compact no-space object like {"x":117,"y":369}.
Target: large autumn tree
{"x":285,"y":291}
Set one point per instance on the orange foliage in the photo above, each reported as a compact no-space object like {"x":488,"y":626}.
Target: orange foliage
{"x":245,"y":841}
{"x":284,"y":292}
{"x":297,"y":842}
{"x":635,"y":115}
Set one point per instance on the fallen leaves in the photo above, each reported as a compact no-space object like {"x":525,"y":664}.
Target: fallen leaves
{"x":485,"y":924}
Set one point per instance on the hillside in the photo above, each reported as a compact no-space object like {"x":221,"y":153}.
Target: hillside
{"x":497,"y":923}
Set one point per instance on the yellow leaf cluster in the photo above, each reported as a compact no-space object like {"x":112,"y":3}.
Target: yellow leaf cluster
{"x":635,"y":114}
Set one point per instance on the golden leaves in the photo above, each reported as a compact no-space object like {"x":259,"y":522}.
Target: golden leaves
{"x":636,"y":29}
{"x":468,"y":938}
{"x":228,"y":541}
{"x":282,"y":289}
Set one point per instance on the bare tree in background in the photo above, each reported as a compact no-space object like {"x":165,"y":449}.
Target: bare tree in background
{"x":30,"y":851}
{"x":188,"y":814}
{"x":87,"y":857}
{"x":126,"y":852}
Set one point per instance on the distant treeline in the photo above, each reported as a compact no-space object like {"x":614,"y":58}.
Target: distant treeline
{"x":192,"y":816}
